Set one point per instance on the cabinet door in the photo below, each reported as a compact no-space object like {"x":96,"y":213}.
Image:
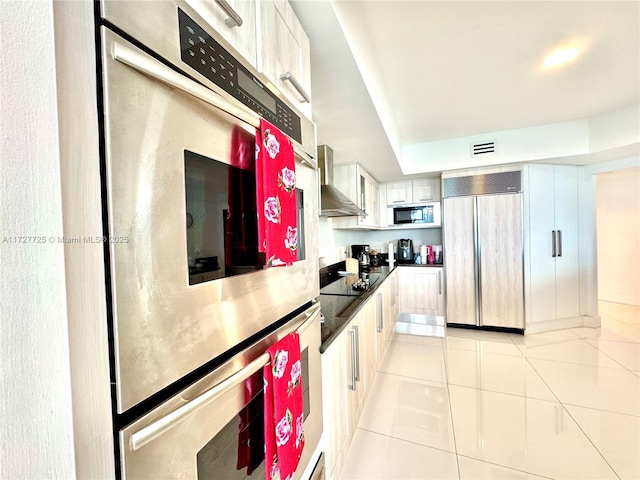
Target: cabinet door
{"x":336,"y":377}
{"x":542,"y":263}
{"x":566,"y":226}
{"x":501,"y":262}
{"x":421,"y":290}
{"x":285,"y":49}
{"x":423,"y":190}
{"x":368,"y":200}
{"x":399,"y":192}
{"x":243,"y":37}
{"x":460,"y":260}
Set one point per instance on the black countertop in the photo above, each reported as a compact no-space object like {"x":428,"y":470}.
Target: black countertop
{"x":338,"y":310}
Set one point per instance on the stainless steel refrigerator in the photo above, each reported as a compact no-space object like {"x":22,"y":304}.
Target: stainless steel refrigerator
{"x":483,"y":238}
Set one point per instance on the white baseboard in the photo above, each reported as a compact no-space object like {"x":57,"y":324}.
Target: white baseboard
{"x":562,"y":323}
{"x":617,"y":298}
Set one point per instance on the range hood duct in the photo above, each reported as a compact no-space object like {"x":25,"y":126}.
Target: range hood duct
{"x":333,"y":203}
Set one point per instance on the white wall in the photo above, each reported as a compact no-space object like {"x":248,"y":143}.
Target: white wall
{"x":618,"y":237}
{"x":614,"y":129}
{"x":36,"y":431}
{"x":512,"y":146}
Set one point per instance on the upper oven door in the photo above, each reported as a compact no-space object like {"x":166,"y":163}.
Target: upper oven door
{"x":160,"y":129}
{"x":159,"y":25}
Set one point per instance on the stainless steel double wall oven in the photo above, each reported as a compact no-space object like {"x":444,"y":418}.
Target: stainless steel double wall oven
{"x":192,"y":307}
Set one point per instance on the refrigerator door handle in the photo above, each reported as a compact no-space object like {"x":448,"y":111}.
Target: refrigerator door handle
{"x":477,"y":257}
{"x":553,"y":243}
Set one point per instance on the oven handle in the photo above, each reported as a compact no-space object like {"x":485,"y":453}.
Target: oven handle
{"x":155,"y":69}
{"x":149,"y":433}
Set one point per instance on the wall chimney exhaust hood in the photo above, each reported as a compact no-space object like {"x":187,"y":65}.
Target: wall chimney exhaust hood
{"x":333,"y":203}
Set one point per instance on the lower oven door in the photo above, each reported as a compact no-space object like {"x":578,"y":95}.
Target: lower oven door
{"x":198,"y":434}
{"x":171,"y":147}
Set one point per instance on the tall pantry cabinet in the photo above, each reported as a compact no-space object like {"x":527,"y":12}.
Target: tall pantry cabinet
{"x":552,"y":258}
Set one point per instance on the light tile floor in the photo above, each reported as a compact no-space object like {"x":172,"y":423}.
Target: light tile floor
{"x":484,"y":405}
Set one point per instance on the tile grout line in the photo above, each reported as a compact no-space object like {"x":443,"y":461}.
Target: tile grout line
{"x":609,"y":356}
{"x":407,"y":441}
{"x":453,"y":428}
{"x":508,"y":468}
{"x":564,"y":407}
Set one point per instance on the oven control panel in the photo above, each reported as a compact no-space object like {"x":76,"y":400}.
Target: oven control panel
{"x":205,"y":55}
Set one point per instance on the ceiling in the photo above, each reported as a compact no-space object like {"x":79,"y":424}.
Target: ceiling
{"x":387,"y":74}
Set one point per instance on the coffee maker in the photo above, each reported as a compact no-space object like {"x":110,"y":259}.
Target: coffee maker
{"x":362,"y":253}
{"x":405,"y":250}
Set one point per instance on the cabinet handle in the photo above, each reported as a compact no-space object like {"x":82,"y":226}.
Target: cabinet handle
{"x":353,"y":360}
{"x":559,"y":243}
{"x":393,"y":291}
{"x":289,"y":76}
{"x":424,"y":199}
{"x":399,"y":201}
{"x":440,"y":282}
{"x":234,"y":19}
{"x":357,"y":342}
{"x":553,"y":243}
{"x":380,"y":304}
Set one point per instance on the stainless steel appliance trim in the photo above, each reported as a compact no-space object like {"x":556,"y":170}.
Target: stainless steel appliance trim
{"x":351,"y":334}
{"x":559,"y":243}
{"x":234,"y":19}
{"x":160,"y":426}
{"x":379,"y":305}
{"x":440,"y":282}
{"x":476,"y":247}
{"x":484,"y":184}
{"x":356,"y":330}
{"x":553,"y":243}
{"x":157,"y":70}
{"x":306,"y":98}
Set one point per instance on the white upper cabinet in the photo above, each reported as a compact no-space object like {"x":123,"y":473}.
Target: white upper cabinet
{"x":413,"y":191}
{"x":399,"y":193}
{"x":362,"y":189}
{"x":284,"y":52}
{"x":424,"y":190}
{"x":226,"y":19}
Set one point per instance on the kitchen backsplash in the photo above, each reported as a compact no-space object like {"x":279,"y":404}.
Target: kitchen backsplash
{"x":333,"y":243}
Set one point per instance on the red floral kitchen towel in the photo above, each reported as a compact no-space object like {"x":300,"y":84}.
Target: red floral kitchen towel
{"x":283,"y":409}
{"x":276,"y":196}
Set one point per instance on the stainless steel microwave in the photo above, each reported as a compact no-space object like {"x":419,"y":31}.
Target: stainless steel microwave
{"x":425,"y":215}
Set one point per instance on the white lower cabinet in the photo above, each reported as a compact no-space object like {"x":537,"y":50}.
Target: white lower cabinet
{"x":348,"y":369}
{"x":337,"y":368}
{"x":422,"y":290}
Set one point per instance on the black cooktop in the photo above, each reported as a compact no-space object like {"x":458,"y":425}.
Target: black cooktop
{"x":344,"y":286}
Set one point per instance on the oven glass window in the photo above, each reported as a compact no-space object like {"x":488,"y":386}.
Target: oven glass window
{"x":237,"y":451}
{"x":221,"y":216}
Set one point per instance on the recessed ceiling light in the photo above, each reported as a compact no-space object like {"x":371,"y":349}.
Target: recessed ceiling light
{"x":560,"y":57}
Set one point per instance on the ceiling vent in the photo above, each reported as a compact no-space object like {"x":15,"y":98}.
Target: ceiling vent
{"x":485,"y":148}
